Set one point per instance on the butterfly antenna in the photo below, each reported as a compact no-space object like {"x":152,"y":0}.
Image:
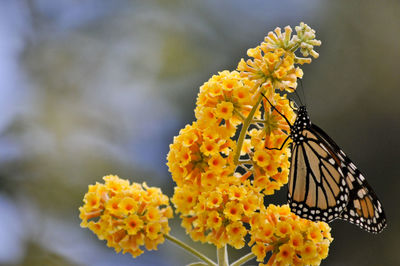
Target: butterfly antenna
{"x":274,"y":108}
{"x":302,"y":90}
{"x":298,"y":96}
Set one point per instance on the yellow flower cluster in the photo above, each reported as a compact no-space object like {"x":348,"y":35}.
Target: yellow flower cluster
{"x":304,"y":38}
{"x":126,"y":216}
{"x":213,"y":202}
{"x":201,"y":157}
{"x":225,"y":99}
{"x":292,"y":240}
{"x":273,"y":61}
{"x":217,"y":215}
{"x":220,"y":181}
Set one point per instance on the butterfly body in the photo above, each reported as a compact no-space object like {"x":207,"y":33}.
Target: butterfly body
{"x":302,"y":122}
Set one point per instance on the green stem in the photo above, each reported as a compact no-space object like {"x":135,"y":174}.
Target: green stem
{"x":243,"y":259}
{"x":222,"y":254}
{"x":245,"y":162}
{"x":243,"y":131}
{"x":190,"y":249}
{"x":295,"y":47}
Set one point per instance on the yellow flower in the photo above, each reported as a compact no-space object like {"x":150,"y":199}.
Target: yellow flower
{"x":211,"y":133}
{"x":153,"y":230}
{"x":308,"y":250}
{"x":92,"y":199}
{"x":265,"y":234}
{"x":126,"y":215}
{"x":214,"y":221}
{"x":210,"y":178}
{"x":236,"y":232}
{"x":133,"y":224}
{"x":242,"y":95}
{"x":283,"y":229}
{"x":250,"y":204}
{"x":214,"y":199}
{"x":315,"y":234}
{"x":296,"y":240}
{"x":323,"y":248}
{"x":237,"y":193}
{"x":216,"y":162}
{"x":115,"y":184}
{"x":233,"y":211}
{"x":128,"y":205}
{"x":224,"y":110}
{"x":285,"y":255}
{"x":259,"y":250}
{"x":153,"y":214}
{"x":262,"y":158}
{"x":113,"y":205}
{"x":185,"y":198}
{"x":209,"y":148}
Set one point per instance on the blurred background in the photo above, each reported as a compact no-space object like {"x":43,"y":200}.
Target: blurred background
{"x":95,"y":87}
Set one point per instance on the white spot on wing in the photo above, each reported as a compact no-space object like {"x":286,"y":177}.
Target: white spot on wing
{"x":361,"y":193}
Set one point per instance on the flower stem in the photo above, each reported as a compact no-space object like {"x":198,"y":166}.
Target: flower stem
{"x":243,"y":131}
{"x":295,"y":47}
{"x":243,"y":259}
{"x":190,"y":249}
{"x":222,"y":254}
{"x":245,"y":162}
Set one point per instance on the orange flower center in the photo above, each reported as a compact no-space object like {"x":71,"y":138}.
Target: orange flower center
{"x":283,"y":230}
{"x":285,"y":253}
{"x":241,"y":95}
{"x":133,"y":224}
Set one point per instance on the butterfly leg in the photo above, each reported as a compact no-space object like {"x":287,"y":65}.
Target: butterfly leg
{"x":274,"y":108}
{"x":283,"y":144}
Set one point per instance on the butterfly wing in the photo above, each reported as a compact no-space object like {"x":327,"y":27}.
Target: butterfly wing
{"x":317,"y":187}
{"x":364,"y":208}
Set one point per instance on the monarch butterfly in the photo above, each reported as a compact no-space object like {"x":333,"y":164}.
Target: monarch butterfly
{"x":324,"y":184}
